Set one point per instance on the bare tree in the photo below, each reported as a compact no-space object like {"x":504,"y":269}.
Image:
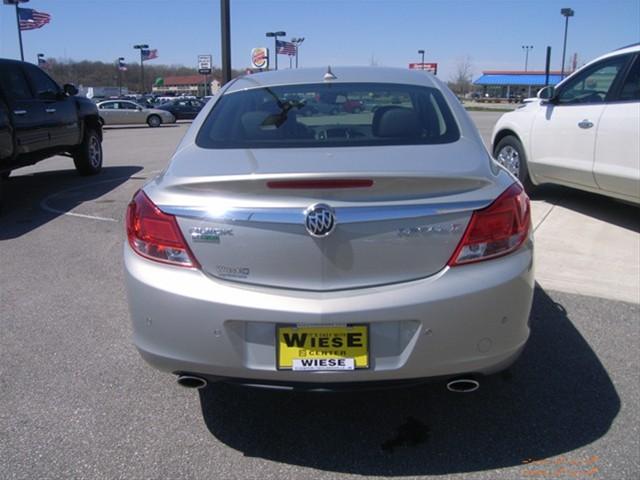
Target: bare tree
{"x":93,"y":73}
{"x":460,"y":81}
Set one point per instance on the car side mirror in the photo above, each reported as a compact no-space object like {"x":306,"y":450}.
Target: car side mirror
{"x":70,"y":89}
{"x":547,"y":93}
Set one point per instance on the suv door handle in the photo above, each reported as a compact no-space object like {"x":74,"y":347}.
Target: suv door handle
{"x":19,"y":112}
{"x":50,"y":110}
{"x":585,"y":124}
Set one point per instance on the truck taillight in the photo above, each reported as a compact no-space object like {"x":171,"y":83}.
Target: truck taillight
{"x":496,"y":230}
{"x":155,"y":234}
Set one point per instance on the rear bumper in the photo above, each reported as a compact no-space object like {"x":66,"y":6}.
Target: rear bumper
{"x":467,"y":319}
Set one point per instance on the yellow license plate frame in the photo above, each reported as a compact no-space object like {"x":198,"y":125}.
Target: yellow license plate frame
{"x":351,"y":341}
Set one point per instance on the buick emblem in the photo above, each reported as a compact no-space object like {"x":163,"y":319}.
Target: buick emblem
{"x":319,"y":220}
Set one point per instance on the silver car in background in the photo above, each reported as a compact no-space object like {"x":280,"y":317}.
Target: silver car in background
{"x":301,"y":249}
{"x":126,"y":112}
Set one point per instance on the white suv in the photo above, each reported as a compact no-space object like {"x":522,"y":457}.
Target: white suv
{"x":584,"y":133}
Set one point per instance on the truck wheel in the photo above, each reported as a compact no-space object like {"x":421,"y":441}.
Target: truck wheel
{"x":154,"y":121}
{"x":510,"y":154}
{"x":88,"y":156}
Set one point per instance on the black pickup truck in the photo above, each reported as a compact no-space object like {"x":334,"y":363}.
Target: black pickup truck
{"x":38,"y":120}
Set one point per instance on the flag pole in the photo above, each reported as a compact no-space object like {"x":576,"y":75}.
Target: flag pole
{"x":19,"y":32}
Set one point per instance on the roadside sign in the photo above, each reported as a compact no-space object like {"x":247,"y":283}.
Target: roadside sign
{"x":427,"y":67}
{"x":204,"y":64}
{"x":260,"y":58}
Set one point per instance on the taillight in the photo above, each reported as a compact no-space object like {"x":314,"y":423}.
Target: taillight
{"x":156,"y":235}
{"x":494,"y":231}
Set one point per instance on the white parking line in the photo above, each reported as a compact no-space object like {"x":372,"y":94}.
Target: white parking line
{"x":44,"y":204}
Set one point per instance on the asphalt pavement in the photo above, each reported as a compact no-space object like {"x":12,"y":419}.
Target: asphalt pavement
{"x":77,"y":401}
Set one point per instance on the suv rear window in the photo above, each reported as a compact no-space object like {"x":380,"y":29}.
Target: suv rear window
{"x":329,"y":115}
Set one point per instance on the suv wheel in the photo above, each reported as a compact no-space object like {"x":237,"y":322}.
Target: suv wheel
{"x":154,"y":121}
{"x":88,"y":156}
{"x":510,"y":154}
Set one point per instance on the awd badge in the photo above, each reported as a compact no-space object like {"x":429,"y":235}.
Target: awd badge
{"x":208,"y":234}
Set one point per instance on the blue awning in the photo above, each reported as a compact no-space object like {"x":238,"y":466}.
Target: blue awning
{"x":516,"y":79}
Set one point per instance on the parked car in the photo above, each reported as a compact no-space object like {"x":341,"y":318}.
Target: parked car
{"x":182,"y":109}
{"x":323,"y":252}
{"x":319,"y":107}
{"x":121,"y":112}
{"x":584,"y":133}
{"x":38,"y":120}
{"x":352,"y":106}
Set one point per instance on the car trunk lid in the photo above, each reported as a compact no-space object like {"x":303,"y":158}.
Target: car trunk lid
{"x":398,"y":215}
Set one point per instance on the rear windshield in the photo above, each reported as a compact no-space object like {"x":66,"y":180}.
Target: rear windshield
{"x":328,"y":115}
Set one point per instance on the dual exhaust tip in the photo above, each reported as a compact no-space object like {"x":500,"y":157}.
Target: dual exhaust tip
{"x":189,"y":381}
{"x":458,"y":385}
{"x":463,"y":385}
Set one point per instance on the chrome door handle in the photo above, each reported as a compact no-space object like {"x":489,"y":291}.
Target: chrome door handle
{"x":19,"y":112}
{"x":50,"y":110}
{"x":585,"y":124}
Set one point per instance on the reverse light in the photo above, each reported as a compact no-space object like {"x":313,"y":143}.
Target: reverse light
{"x":496,"y":230}
{"x":155,"y":235}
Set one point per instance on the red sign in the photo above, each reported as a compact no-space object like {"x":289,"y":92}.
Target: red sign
{"x":427,"y":67}
{"x":260,"y":58}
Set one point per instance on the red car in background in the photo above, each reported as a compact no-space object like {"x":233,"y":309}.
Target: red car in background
{"x":353,"y":106}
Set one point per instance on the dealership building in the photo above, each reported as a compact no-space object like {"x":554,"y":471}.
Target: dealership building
{"x":185,"y":85}
{"x":512,"y":83}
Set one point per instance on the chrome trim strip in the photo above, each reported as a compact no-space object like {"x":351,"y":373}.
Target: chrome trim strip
{"x":344,"y":215}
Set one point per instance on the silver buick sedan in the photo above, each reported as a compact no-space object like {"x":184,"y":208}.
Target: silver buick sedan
{"x":123,"y":112}
{"x":333,"y":247}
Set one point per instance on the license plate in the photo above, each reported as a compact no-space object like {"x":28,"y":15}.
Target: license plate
{"x":322,"y":348}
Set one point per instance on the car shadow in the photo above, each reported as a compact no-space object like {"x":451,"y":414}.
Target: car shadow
{"x":593,"y":205}
{"x":557,"y":397}
{"x":23,"y":196}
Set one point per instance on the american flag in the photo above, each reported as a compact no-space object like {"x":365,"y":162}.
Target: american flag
{"x":285,"y":48}
{"x":30,"y":19}
{"x":42,"y":63}
{"x":122,"y":66}
{"x":149,"y":54}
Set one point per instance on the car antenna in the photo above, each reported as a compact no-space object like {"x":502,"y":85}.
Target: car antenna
{"x":329,"y":75}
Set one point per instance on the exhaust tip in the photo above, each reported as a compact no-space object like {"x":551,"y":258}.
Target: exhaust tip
{"x":463,"y":385}
{"x":188,"y":381}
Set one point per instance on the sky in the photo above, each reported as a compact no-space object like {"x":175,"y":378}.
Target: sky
{"x":490,"y":33}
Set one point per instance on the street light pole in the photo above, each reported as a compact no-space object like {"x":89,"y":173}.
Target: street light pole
{"x":225,"y":44}
{"x":297,"y":42}
{"x":275,"y":36}
{"x":119,"y":66}
{"x":421,"y":52}
{"x":566,"y":13}
{"x":141,"y":47}
{"x":526,"y":48}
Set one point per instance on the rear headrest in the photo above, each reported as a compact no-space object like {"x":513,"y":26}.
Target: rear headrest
{"x":392,"y":121}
